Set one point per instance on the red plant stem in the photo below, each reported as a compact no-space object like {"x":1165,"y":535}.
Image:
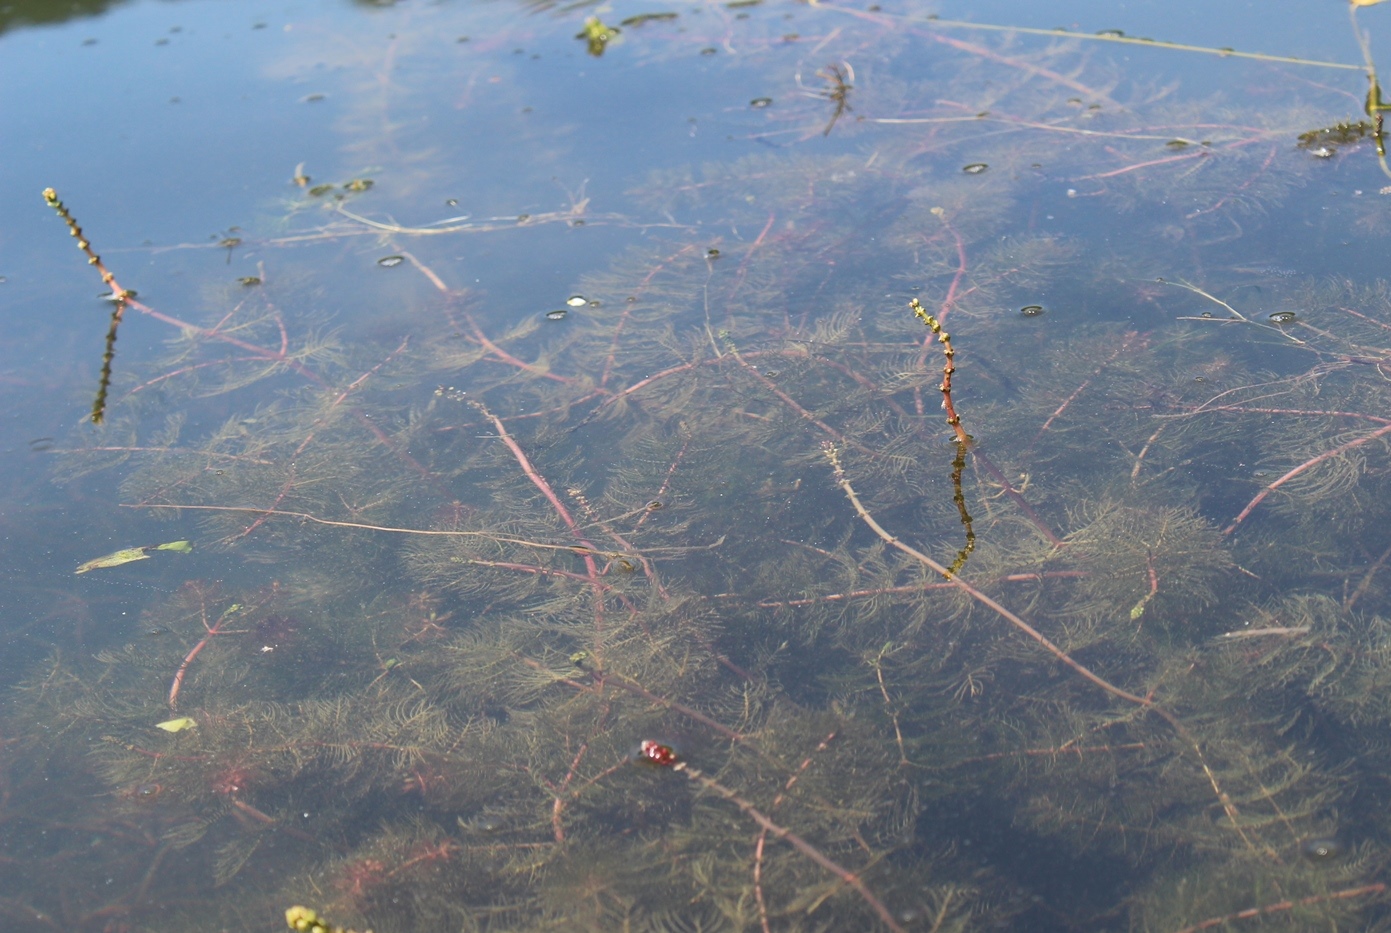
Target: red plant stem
{"x":792,"y":839}
{"x":1078,"y":750}
{"x":1282,"y":906}
{"x":627,"y":312}
{"x":210,"y":455}
{"x":185,"y":370}
{"x":748,"y":256}
{"x":683,"y":367}
{"x":607,"y":677}
{"x":261,"y":816}
{"x":666,"y":481}
{"x":293,"y":364}
{"x":526,"y":568}
{"x":214,"y":629}
{"x":1247,"y":409}
{"x":792,"y":403}
{"x":912,"y":588}
{"x":540,"y":483}
{"x":625,"y":762}
{"x":763,"y":832}
{"x":1270,"y":157}
{"x":1024,"y":66}
{"x":1306,"y":465}
{"x":1124,"y":345}
{"x":483,"y":341}
{"x":431,"y":853}
{"x":758,"y":881}
{"x":975,"y":593}
{"x":1201,"y":154}
{"x":558,"y":827}
{"x":1149,"y":164}
{"x":259,"y":352}
{"x":995,"y":472}
{"x":335,"y":523}
{"x":289,"y":483}
{"x":949,"y":301}
{"x":1144,"y":702}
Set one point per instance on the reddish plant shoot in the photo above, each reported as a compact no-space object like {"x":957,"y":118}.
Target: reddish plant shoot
{"x":654,"y":752}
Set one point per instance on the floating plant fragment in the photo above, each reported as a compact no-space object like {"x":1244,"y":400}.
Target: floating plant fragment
{"x":596,"y":35}
{"x":130,"y":554}
{"x":647,"y":18}
{"x":177,"y":725}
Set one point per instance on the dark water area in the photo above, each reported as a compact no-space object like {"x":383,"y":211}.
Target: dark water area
{"x":766,"y":466}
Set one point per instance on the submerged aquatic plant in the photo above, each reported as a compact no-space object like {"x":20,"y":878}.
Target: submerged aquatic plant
{"x":712,"y":515}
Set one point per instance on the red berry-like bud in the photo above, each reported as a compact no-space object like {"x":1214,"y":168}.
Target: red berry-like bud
{"x":658,"y":754}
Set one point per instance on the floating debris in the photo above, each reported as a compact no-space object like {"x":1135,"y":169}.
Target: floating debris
{"x":712,"y":253}
{"x":758,"y":103}
{"x":1031,"y":310}
{"x":132,"y":554}
{"x":1321,"y":850}
{"x":1283,"y":317}
{"x":557,"y":315}
{"x":359,"y":184}
{"x":642,"y":18}
{"x":1329,"y":138}
{"x":597,"y":35}
{"x":177,"y":725}
{"x":250,"y":281}
{"x":390,"y":262}
{"x":577,"y":301}
{"x":975,"y":168}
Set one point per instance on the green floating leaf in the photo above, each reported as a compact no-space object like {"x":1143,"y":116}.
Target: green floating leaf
{"x":177,"y":725}
{"x":131,"y":554}
{"x":116,"y":559}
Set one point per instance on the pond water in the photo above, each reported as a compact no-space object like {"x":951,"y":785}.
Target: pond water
{"x":761,"y":465}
